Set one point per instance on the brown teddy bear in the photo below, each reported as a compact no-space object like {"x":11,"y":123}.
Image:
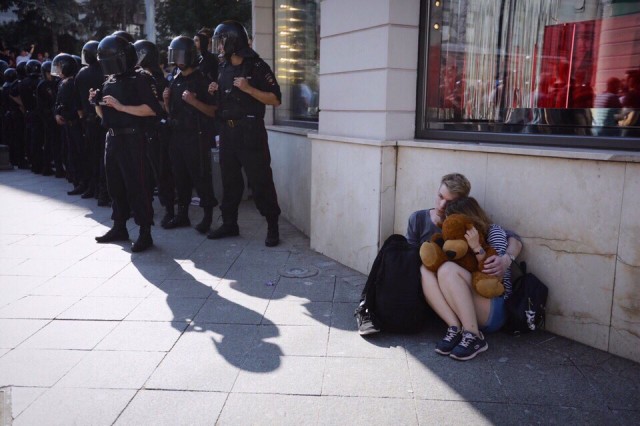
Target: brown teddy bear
{"x":451,"y":245}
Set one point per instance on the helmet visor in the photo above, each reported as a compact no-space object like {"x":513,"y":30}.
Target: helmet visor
{"x":113,"y":65}
{"x":56,"y":70}
{"x":179,"y":57}
{"x":217,"y":45}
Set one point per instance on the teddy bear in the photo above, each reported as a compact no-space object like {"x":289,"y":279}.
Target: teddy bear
{"x":451,"y":245}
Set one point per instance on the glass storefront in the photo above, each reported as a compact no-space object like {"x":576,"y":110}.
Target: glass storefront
{"x":559,"y":72}
{"x":297,"y":61}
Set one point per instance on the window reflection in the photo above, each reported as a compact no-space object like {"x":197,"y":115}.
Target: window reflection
{"x":297,"y":54}
{"x":536,"y":66}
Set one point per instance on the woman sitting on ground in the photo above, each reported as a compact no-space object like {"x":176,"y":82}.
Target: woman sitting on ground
{"x":466,"y":313}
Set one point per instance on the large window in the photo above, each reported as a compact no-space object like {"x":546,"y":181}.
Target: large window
{"x":555,"y":72}
{"x":297,"y":60}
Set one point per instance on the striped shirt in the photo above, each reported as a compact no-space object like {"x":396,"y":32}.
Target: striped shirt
{"x":497,"y":238}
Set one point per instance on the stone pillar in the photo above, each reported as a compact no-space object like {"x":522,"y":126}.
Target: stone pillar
{"x":368,"y":76}
{"x":262,"y":31}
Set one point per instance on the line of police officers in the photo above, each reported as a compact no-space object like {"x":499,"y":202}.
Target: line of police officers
{"x":117,"y":128}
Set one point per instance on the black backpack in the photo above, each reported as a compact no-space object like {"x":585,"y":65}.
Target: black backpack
{"x":527,"y":303}
{"x":394,"y":290}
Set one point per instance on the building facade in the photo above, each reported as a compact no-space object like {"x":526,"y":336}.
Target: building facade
{"x":401,"y":92}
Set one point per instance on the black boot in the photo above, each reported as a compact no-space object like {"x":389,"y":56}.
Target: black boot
{"x":273,"y":234}
{"x":227,"y":229}
{"x":117,"y":233}
{"x":144,"y":240}
{"x":77,"y":190}
{"x":203,"y":227}
{"x":180,"y":220}
{"x":170,"y":214}
{"x":89,"y":193}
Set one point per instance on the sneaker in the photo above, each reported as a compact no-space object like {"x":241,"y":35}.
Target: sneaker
{"x":364,"y":318}
{"x":449,"y":341}
{"x":470,"y":345}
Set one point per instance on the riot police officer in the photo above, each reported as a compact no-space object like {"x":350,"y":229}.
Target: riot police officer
{"x":125,"y":103}
{"x":245,"y":85}
{"x":91,"y":77}
{"x":158,"y":131}
{"x":46,"y":99}
{"x":66,"y":115}
{"x":189,"y":106}
{"x":34,"y":137}
{"x":13,"y":120}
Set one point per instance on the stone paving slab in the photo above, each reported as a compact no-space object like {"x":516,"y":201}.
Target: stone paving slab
{"x":196,"y":331}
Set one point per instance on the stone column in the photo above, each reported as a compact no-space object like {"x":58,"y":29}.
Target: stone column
{"x":368,"y":76}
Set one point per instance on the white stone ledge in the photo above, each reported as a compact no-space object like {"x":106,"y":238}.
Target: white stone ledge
{"x":354,"y":141}
{"x":292,"y":130}
{"x":531,"y":151}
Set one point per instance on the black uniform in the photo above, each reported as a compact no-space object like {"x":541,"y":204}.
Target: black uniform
{"x":190,"y":147}
{"x":91,"y":77}
{"x":125,"y":152}
{"x":34,"y":126}
{"x":159,"y":137}
{"x":75,"y":157}
{"x":52,"y":147}
{"x":14,"y":128}
{"x":243,"y":139}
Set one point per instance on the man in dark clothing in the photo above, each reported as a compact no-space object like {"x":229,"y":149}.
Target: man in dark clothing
{"x":245,"y":85}
{"x":13,"y":120}
{"x":46,"y":99}
{"x":128,"y":100}
{"x":91,"y":77}
{"x":158,"y":132}
{"x":66,"y":114}
{"x":189,"y":106}
{"x":207,"y":62}
{"x":34,"y":137}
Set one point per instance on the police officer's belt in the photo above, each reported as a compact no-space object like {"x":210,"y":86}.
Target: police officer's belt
{"x":234,"y":123}
{"x":123,"y":131}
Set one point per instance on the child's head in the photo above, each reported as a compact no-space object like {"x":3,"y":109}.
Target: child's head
{"x":469,"y":206}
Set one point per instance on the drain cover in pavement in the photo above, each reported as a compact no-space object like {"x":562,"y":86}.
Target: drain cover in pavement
{"x":299,"y":271}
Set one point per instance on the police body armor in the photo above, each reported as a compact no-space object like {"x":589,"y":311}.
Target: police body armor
{"x":234,"y":104}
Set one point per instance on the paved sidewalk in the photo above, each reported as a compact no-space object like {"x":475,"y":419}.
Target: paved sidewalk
{"x":229,"y":332}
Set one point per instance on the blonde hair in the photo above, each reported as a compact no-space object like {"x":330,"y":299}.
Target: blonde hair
{"x":457,"y":184}
{"x":469,"y":206}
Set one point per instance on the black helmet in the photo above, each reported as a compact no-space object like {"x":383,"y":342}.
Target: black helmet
{"x":116,"y":55}
{"x":10,"y":75}
{"x":124,"y":35}
{"x":21,"y":69}
{"x":78,"y":60}
{"x":46,"y":68}
{"x":64,"y":66}
{"x":182,"y":51}
{"x":233,"y":38}
{"x":147,"y":51}
{"x":3,"y":66}
{"x":90,"y":52}
{"x":33,"y":67}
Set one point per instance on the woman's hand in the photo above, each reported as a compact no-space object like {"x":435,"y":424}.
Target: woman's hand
{"x":473,"y":238}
